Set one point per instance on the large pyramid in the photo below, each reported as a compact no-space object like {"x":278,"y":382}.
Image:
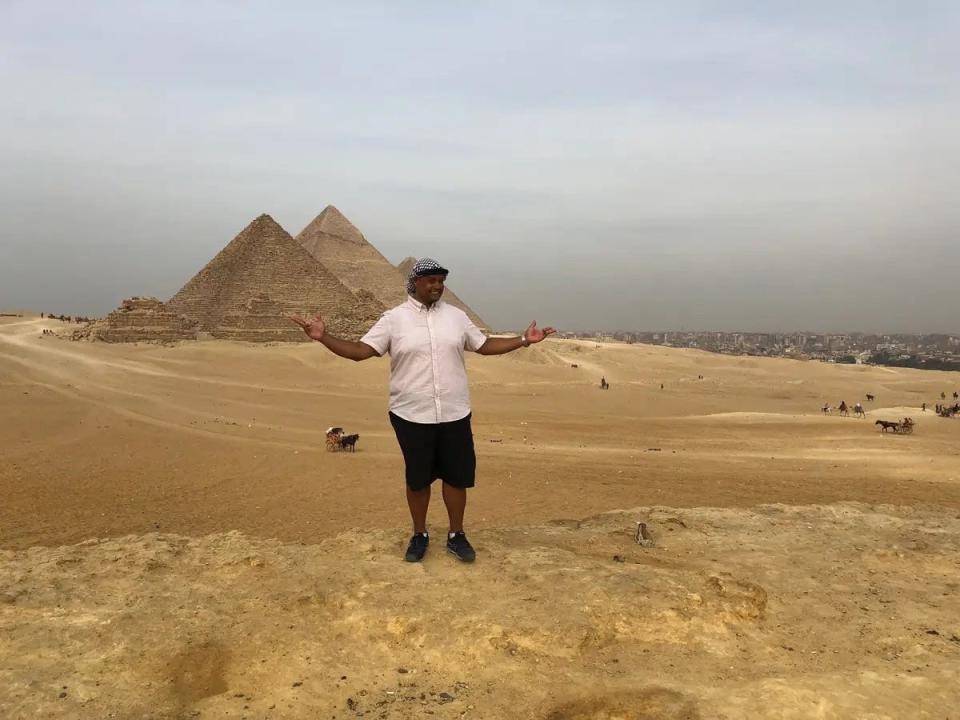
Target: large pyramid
{"x":337,"y":244}
{"x":340,"y":246}
{"x":448,"y":295}
{"x":262,"y":276}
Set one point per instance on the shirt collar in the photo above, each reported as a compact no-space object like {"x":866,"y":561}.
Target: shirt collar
{"x":420,"y":307}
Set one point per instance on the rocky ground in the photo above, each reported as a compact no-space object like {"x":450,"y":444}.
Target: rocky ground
{"x":842,"y":611}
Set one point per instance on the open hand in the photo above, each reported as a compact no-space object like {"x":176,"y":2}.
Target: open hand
{"x":314,"y":329}
{"x":535,"y":334}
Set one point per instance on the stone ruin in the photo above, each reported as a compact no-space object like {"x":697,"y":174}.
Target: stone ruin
{"x":140,"y":319}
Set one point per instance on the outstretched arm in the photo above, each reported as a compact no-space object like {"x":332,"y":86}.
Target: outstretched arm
{"x":350,"y":349}
{"x":501,"y":346}
{"x":316,"y":329}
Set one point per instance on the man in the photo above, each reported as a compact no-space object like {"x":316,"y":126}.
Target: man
{"x":429,"y":398}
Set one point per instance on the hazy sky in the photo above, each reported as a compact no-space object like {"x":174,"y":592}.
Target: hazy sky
{"x":708,"y":165}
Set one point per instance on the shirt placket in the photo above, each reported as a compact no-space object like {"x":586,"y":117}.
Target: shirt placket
{"x":434,"y":363}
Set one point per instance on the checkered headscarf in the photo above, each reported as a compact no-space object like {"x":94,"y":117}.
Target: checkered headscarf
{"x":424,"y":266}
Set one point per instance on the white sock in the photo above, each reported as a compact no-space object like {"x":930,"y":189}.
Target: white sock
{"x":451,"y":535}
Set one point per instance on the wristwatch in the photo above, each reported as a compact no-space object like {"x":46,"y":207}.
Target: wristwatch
{"x":523,"y":340}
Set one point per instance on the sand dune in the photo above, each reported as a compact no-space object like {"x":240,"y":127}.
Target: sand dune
{"x":178,"y":543}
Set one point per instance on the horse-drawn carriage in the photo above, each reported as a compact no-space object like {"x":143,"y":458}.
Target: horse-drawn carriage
{"x":904,"y":427}
{"x":336,"y":440}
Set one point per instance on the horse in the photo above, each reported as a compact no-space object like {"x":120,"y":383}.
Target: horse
{"x":869,"y":396}
{"x":858,"y":411}
{"x":349,"y":442}
{"x":844,"y":412}
{"x":888,"y":425}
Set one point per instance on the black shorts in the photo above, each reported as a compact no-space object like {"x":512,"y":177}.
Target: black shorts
{"x":437,"y":450}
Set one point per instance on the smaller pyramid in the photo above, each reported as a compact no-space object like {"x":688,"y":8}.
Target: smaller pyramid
{"x":448,"y":295}
{"x":262,"y":276}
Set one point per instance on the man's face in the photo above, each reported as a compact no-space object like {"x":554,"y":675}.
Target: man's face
{"x":429,"y":288}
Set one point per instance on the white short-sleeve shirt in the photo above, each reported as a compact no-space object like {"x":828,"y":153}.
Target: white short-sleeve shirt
{"x":428,"y":378}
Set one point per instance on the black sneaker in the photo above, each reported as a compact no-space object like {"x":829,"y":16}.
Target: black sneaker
{"x":461,"y":547}
{"x":417,"y":548}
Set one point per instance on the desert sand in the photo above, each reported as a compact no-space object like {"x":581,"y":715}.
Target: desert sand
{"x":176,"y":542}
